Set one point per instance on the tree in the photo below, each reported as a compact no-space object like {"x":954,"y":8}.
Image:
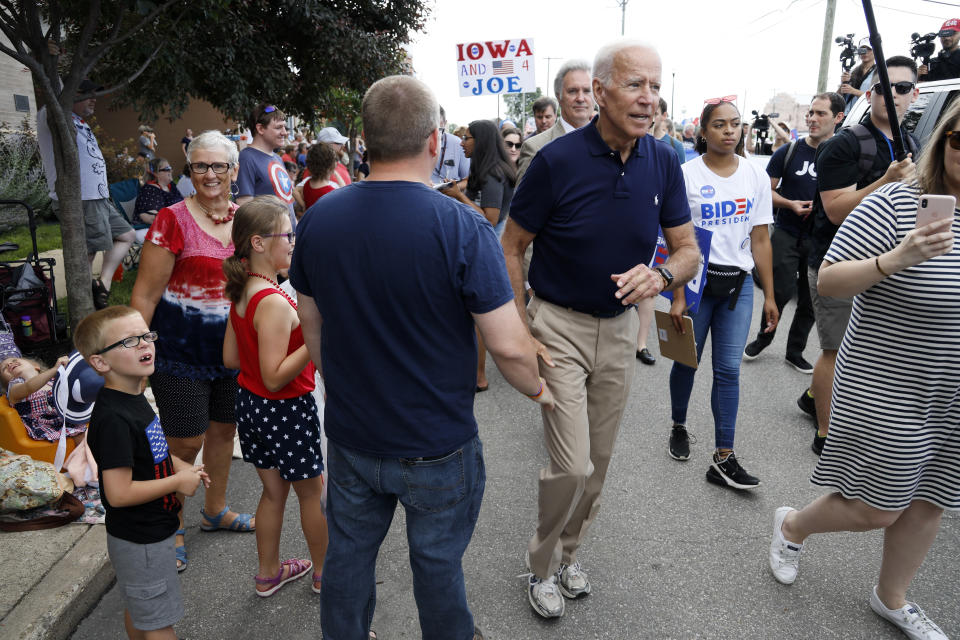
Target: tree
{"x":299,"y":54}
{"x":515,"y":103}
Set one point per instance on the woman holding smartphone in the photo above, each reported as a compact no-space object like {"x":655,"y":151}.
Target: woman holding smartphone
{"x":730,"y":197}
{"x":892,"y":457}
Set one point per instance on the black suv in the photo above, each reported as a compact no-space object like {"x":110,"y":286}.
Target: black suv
{"x":923,"y":114}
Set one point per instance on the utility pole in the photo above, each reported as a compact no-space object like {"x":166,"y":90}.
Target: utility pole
{"x":673,"y":88}
{"x":549,"y":79}
{"x":623,"y":13}
{"x":825,"y":47}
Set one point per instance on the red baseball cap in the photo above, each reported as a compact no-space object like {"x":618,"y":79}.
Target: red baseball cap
{"x":953,"y":24}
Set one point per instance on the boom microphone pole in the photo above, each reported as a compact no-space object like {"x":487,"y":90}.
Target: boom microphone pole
{"x":898,"y":147}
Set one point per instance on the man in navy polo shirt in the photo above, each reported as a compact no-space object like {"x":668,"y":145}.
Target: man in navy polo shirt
{"x":397,"y":274}
{"x":593,"y":200}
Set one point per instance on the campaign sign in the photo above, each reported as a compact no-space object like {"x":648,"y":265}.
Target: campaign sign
{"x":495,"y":66}
{"x":694,"y":288}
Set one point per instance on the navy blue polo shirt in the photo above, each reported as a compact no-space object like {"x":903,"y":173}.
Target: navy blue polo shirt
{"x":594,"y":216}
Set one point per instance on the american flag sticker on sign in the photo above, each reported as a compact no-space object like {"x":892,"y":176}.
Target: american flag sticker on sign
{"x":502,"y":67}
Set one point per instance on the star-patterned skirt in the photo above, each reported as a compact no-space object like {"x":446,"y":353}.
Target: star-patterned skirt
{"x":280,"y":434}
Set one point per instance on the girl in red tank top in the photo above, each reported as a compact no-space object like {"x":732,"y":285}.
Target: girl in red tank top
{"x":276,"y":414}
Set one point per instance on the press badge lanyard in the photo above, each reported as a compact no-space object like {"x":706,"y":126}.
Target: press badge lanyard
{"x":443,"y":152}
{"x":890,"y":147}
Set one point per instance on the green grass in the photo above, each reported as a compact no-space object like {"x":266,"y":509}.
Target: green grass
{"x":48,"y":237}
{"x":119,"y":292}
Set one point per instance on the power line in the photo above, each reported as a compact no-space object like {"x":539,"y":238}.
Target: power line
{"x":784,"y":18}
{"x":948,"y":4}
{"x":911,"y":13}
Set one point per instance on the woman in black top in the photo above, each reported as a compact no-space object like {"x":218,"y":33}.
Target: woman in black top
{"x":157,"y":193}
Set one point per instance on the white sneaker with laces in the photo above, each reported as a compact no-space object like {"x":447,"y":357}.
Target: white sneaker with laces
{"x":573,"y":581}
{"x":784,"y":555}
{"x":910,"y":619}
{"x":544,"y":597}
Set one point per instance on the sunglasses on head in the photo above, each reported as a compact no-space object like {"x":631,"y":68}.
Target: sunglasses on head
{"x":953,"y":138}
{"x":269,"y":109}
{"x":719,"y":100}
{"x":903,"y":87}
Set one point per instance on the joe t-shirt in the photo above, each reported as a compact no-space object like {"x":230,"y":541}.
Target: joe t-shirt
{"x":125,"y":432}
{"x":797,"y":182}
{"x":729,"y":207}
{"x":396,"y":269}
{"x":264,"y":174}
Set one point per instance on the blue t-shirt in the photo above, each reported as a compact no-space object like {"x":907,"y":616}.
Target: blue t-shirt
{"x":797,"y":182}
{"x":396,"y":269}
{"x":677,"y":146}
{"x":594,"y":216}
{"x":264,"y":174}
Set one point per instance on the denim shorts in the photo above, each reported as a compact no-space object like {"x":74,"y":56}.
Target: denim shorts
{"x":147,"y":578}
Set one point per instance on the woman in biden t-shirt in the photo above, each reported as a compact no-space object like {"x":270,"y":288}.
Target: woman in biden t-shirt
{"x":730,"y":197}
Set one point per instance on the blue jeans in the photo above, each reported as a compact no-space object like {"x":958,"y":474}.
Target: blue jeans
{"x":441,"y":499}
{"x":730,"y":329}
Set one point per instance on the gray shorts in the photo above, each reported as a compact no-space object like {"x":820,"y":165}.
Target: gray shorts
{"x":832,"y":314}
{"x":147,"y":578}
{"x":101,"y":222}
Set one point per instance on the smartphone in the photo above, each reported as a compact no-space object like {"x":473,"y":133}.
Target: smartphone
{"x":933,"y":208}
{"x":441,"y":185}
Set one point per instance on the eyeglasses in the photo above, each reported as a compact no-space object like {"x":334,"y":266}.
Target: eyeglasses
{"x":719,"y":100}
{"x":953,"y":137}
{"x":903,"y":87}
{"x":465,"y":138}
{"x":131,"y":342}
{"x":201,"y":168}
{"x":512,"y":145}
{"x":290,"y":236}
{"x":167,"y":169}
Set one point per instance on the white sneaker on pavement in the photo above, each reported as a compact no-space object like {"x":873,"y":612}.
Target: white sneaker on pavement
{"x":784,"y":555}
{"x":910,"y":619}
{"x":544,"y":596}
{"x":573,"y":581}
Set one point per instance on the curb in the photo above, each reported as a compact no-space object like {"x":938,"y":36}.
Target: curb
{"x":55,"y":606}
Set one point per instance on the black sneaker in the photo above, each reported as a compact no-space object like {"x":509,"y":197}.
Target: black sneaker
{"x":798,"y":363}
{"x":818,"y":443}
{"x":679,"y":443}
{"x":807,"y":404}
{"x":729,"y":473}
{"x":753,"y":350}
{"x":644,"y":356}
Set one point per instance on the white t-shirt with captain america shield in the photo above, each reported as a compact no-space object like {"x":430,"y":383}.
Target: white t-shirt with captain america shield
{"x":729,"y":208}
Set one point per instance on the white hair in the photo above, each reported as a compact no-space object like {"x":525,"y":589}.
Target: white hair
{"x":214,"y":141}
{"x":603,"y":62}
{"x":567,"y":67}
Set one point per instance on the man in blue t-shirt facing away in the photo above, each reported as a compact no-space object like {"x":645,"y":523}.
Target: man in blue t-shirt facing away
{"x":593,"y":199}
{"x":262,"y":171}
{"x":397,"y":275}
{"x":793,"y":178}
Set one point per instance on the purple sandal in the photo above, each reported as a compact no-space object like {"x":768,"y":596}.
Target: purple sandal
{"x":316,"y":579}
{"x":298,"y":569}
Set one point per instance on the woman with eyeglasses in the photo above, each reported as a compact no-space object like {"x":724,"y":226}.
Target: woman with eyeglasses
{"x":512,"y":139}
{"x":730,"y":197}
{"x":157,"y":193}
{"x":892,"y":459}
{"x":493,"y":175}
{"x":180,"y":294}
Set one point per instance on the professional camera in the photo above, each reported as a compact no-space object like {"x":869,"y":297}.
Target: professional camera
{"x":848,"y":53}
{"x":923,"y":47}
{"x":761,"y":124}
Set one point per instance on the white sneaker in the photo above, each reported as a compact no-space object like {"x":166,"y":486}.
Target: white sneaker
{"x":910,"y":619}
{"x":573,"y":581}
{"x":544,"y":597}
{"x":784,"y":555}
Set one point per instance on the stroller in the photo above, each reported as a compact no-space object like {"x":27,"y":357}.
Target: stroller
{"x":28,"y":297}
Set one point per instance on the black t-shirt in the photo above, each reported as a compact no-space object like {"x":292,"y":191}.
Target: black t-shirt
{"x":125,"y":432}
{"x":836,"y":168}
{"x":495,"y":193}
{"x":944,"y":66}
{"x":797,"y":182}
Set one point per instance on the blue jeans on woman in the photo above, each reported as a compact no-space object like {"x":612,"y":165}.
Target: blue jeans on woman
{"x":730,"y":329}
{"x":441,"y":498}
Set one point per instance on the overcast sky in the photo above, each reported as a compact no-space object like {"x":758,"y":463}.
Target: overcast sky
{"x":715,"y":47}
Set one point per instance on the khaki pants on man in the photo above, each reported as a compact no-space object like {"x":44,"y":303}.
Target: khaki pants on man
{"x":591,"y":383}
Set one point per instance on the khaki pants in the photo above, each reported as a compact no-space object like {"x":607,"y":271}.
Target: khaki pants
{"x":591,"y":382}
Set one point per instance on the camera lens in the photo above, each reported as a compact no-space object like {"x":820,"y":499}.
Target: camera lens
{"x":923,"y":203}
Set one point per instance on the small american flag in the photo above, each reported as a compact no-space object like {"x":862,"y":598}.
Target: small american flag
{"x":502,"y":67}
{"x":158,"y":441}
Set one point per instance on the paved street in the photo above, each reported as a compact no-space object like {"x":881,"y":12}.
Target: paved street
{"x":670,"y":556}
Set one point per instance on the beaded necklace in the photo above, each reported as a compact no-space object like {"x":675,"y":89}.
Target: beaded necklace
{"x":216,"y":219}
{"x":276,"y":286}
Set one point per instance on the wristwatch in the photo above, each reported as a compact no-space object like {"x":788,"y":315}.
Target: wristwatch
{"x":666,"y":275}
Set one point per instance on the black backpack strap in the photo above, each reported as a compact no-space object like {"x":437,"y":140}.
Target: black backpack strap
{"x":791,"y":151}
{"x":868,"y":149}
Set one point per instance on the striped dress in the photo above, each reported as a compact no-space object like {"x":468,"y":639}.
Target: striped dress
{"x":895,"y":419}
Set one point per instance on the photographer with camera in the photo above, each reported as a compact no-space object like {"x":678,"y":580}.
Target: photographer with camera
{"x":947,"y":63}
{"x":850,"y":166}
{"x":855,"y":83}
